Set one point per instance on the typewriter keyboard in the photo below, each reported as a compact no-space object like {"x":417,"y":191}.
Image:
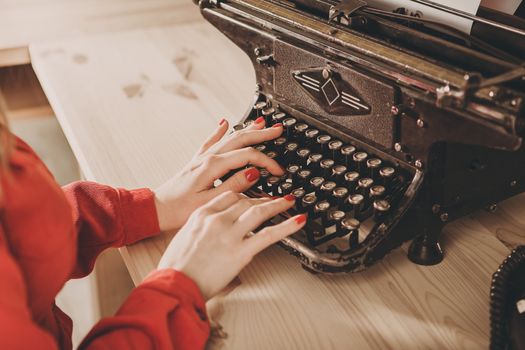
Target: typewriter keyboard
{"x":345,"y":189}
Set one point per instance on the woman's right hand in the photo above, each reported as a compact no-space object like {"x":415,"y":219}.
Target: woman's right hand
{"x":215,"y":244}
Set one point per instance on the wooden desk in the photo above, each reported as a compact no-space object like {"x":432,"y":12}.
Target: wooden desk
{"x":28,"y":21}
{"x":139,"y":104}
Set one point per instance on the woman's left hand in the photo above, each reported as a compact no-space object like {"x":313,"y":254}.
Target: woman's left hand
{"x":193,"y":186}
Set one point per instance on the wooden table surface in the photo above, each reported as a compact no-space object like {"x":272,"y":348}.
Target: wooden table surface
{"x":28,"y":21}
{"x":136,"y":105}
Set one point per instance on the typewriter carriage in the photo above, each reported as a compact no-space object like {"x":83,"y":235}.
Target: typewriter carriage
{"x":463,"y":150}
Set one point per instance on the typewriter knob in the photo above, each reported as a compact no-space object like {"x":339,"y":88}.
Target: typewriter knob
{"x":351,"y":226}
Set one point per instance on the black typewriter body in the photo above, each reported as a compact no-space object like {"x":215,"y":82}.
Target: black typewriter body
{"x":417,"y":138}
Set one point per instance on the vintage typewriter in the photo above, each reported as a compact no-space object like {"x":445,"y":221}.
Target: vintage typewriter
{"x":394,"y":125}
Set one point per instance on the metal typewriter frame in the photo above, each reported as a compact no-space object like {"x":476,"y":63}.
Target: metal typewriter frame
{"x":439,"y":110}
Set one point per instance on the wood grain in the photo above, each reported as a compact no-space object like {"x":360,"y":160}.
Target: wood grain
{"x":127,"y":129}
{"x":30,"y":21}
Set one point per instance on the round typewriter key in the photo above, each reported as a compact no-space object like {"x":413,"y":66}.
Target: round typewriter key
{"x":271,"y":154}
{"x":260,"y":105}
{"x":335,"y":146}
{"x":298,"y":193}
{"x":314,"y":185}
{"x":278,"y":117}
{"x":338,"y":172}
{"x":310,"y":136}
{"x":359,"y":158}
{"x":263,"y":179}
{"x":356,"y":201}
{"x":289,"y":124}
{"x":285,"y":188}
{"x":238,"y":127}
{"x":350,"y":179}
{"x":326,"y":167}
{"x":302,"y":155}
{"x":335,"y":217}
{"x":248,"y":122}
{"x":340,"y":194}
{"x":351,"y":226}
{"x":303,"y":177}
{"x":292,"y":170}
{"x":273,"y":184}
{"x":346,"y":153}
{"x":322,"y":142}
{"x":278,"y":144}
{"x":387,"y":174}
{"x":373,"y":164}
{"x":381,"y":208}
{"x":260,"y":148}
{"x":290,"y":152}
{"x":320,"y":211}
{"x":299,"y":130}
{"x":377,"y":191}
{"x":364,"y":184}
{"x":267,"y":115}
{"x":326,"y":190}
{"x":308,"y":202}
{"x":313,"y":161}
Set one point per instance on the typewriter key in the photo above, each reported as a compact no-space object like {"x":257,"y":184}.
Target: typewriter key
{"x":271,"y":154}
{"x":308,"y":203}
{"x":339,"y":195}
{"x":364,"y":184}
{"x":291,"y":171}
{"x":278,"y":117}
{"x":260,"y":148}
{"x":335,"y":147}
{"x":322,"y":142}
{"x":335,"y":217}
{"x":285,"y":188}
{"x":302,"y":156}
{"x":326,"y":167}
{"x":356,"y":201}
{"x":387,"y":174}
{"x":321,"y":211}
{"x":278,"y":145}
{"x":373,"y":165}
{"x":381,"y":208}
{"x":326,"y":190}
{"x":298,"y":193}
{"x":346,"y":154}
{"x":313,"y":162}
{"x":377,"y":192}
{"x":350,"y":180}
{"x":314,"y":185}
{"x":239,"y":127}
{"x":290,"y":152}
{"x":359,"y":159}
{"x":310,"y":136}
{"x":248,"y":122}
{"x":303,"y":177}
{"x":299,"y":131}
{"x":338,"y":172}
{"x":267,"y":115}
{"x":258,"y":107}
{"x":263,"y":179}
{"x":289,"y":124}
{"x":273,"y":185}
{"x":351,"y":226}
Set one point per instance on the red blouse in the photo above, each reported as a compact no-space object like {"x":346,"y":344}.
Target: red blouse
{"x":49,"y":235}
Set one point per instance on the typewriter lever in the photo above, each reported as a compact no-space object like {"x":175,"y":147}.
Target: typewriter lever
{"x":343,"y":11}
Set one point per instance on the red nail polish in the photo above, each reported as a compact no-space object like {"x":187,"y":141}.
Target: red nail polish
{"x":278,"y":125}
{"x":222,"y":121}
{"x":259,"y":120}
{"x":252,"y":174}
{"x":300,"y":219}
{"x":289,"y":198}
{"x":275,"y":197}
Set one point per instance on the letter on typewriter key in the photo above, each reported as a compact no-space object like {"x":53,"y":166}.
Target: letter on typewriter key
{"x":289,"y":124}
{"x":359,"y":159}
{"x":387,"y":174}
{"x":373,"y":165}
{"x":326,"y":167}
{"x":381,"y":208}
{"x":335,"y":147}
{"x":347,"y":152}
{"x":351,"y":226}
{"x":356,"y":201}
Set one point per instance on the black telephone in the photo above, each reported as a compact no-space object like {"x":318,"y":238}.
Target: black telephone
{"x":507,"y":303}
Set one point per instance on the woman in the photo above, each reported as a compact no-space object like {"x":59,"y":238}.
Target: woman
{"x":49,"y":235}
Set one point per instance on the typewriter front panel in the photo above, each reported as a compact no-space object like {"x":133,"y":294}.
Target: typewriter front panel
{"x":341,"y":94}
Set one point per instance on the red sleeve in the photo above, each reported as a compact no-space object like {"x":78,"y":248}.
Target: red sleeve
{"x":166,"y":311}
{"x":107,"y":217}
{"x":17,"y":330}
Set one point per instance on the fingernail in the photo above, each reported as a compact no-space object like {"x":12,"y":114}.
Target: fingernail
{"x":300,"y":219}
{"x":252,"y":174}
{"x":275,"y":197}
{"x":222,"y":121}
{"x":259,"y":120}
{"x":278,"y":125}
{"x":289,"y":198}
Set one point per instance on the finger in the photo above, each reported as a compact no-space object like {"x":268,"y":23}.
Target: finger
{"x":218,"y":165}
{"x":241,"y":206}
{"x":223,"y":201}
{"x":215,"y":137}
{"x":240,"y":181}
{"x":251,"y":137}
{"x":258,"y":124}
{"x":258,"y":214}
{"x":273,"y":234}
